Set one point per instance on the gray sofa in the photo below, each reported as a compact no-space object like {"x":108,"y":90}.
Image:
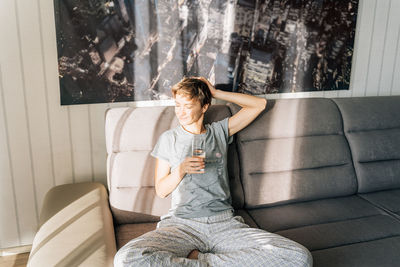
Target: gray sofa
{"x":322,"y":172}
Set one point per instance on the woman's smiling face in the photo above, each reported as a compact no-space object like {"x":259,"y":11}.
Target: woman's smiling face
{"x":188,"y":111}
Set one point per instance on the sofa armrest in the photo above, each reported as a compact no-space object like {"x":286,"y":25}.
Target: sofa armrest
{"x":76,"y":228}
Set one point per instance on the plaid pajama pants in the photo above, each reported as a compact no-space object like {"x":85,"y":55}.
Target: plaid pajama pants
{"x":222,"y":239}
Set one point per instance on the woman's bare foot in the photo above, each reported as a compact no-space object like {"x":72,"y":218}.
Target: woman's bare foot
{"x":194,"y":254}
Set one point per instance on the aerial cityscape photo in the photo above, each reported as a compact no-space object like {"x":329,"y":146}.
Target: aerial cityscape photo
{"x":125,"y":50}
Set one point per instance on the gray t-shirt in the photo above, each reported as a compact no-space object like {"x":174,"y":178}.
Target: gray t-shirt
{"x":198,"y":195}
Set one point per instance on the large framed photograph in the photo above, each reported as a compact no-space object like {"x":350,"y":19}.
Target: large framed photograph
{"x":125,"y":50}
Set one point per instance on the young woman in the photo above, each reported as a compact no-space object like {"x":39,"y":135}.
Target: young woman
{"x":200,"y":229}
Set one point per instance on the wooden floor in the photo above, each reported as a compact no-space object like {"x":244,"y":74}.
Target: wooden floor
{"x":18,"y":260}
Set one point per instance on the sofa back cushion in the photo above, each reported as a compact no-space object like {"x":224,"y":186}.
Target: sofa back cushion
{"x":295,"y":151}
{"x":372,"y":127}
{"x":131,"y":134}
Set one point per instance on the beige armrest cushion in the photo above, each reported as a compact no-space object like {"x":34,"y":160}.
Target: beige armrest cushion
{"x":76,"y":228}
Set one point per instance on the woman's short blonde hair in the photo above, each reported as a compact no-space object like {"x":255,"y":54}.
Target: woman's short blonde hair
{"x":193,"y":88}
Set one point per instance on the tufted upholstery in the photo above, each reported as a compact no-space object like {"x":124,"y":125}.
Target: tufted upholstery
{"x":323,"y":172}
{"x":374,"y":139}
{"x":301,"y":155}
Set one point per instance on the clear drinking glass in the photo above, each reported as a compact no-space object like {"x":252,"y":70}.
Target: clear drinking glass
{"x":198,"y":147}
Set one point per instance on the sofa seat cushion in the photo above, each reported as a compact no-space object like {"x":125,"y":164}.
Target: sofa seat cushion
{"x":126,"y":232}
{"x":340,"y":233}
{"x":388,"y":200}
{"x":279,"y":218}
{"x":332,"y":226}
{"x":381,"y":252}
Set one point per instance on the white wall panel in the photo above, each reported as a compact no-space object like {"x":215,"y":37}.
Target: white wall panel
{"x":35,"y":98}
{"x":362,"y":46}
{"x":14,"y":88}
{"x":9,"y":232}
{"x":390,"y":47}
{"x":45,"y":144}
{"x":377,"y":45}
{"x":99,"y":153}
{"x":395,"y":79}
{"x":81,"y":143}
{"x":395,"y":89}
{"x":331,"y":94}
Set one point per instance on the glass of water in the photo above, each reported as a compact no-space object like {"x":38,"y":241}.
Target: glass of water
{"x":198,"y":148}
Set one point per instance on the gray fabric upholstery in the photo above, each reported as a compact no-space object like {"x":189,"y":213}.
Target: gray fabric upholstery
{"x":372,"y":127}
{"x":130,"y":136}
{"x":369,"y":113}
{"x":285,"y":118}
{"x":301,"y":214}
{"x":381,"y":252}
{"x":346,"y":232}
{"x":302,"y":154}
{"x":300,"y":181}
{"x":126,"y":232}
{"x":388,"y":200}
{"x":322,"y":172}
{"x":293,"y":172}
{"x":332,"y":227}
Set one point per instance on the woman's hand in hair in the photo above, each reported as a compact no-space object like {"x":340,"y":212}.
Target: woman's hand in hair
{"x":210,"y":86}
